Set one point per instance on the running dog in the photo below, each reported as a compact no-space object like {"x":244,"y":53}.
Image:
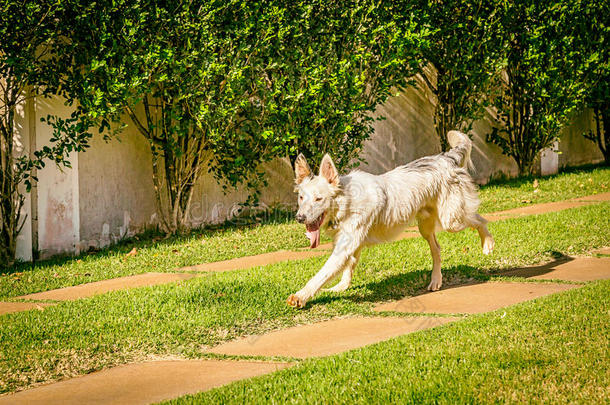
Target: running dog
{"x":362,"y":209}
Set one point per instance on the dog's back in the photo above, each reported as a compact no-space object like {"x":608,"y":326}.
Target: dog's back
{"x":440,"y":182}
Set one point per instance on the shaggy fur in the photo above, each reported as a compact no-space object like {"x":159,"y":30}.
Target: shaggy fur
{"x":362,"y":209}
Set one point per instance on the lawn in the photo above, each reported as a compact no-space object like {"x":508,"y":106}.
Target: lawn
{"x":280,"y":232}
{"x":182,"y":319}
{"x":550,"y":350}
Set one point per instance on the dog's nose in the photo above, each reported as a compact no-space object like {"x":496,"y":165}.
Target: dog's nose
{"x":300,"y":218}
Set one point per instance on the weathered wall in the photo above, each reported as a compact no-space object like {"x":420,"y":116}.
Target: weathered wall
{"x":211,"y":205}
{"x":108,"y":194}
{"x":115,"y":189}
{"x":408,"y":133}
{"x":58,"y":191}
{"x":575,"y":149}
{"x":117,"y":195}
{"x":22,"y":146}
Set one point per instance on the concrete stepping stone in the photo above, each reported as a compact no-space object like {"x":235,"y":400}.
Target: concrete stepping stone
{"x":543,"y":208}
{"x":535,"y":209}
{"x":579,"y":269}
{"x":142,"y":383}
{"x":328,"y":337}
{"x":104,"y":286}
{"x":10,"y":307}
{"x":473,"y":298}
{"x":255,"y":261}
{"x":602,"y":251}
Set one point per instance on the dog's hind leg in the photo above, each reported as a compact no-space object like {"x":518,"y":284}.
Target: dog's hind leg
{"x":427,"y":227}
{"x":346,"y":277}
{"x":480,"y":224}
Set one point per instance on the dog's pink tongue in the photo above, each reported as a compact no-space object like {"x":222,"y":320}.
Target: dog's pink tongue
{"x":314,"y":238}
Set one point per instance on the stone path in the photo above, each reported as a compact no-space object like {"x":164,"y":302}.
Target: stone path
{"x":328,"y":337}
{"x":264,"y":259}
{"x":10,"y":307}
{"x":473,"y":298}
{"x":581,"y":269}
{"x":104,"y":286}
{"x":142,"y":383}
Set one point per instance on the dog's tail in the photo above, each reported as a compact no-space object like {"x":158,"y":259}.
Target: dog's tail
{"x":461,"y":146}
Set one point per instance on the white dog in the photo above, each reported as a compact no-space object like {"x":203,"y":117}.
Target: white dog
{"x":362,"y":209}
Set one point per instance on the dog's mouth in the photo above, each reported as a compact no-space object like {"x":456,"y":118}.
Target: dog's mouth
{"x":313,"y":231}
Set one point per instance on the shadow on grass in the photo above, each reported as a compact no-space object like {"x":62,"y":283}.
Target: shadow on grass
{"x":414,"y":283}
{"x":527,"y":272}
{"x":398,"y":286}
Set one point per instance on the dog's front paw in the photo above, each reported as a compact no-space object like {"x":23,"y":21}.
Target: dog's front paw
{"x":296,"y":301}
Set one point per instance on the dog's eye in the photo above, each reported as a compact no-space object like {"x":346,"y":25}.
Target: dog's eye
{"x":318,"y":199}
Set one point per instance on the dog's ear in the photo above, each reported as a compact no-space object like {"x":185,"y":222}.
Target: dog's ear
{"x":301,"y":169}
{"x":329,"y":171}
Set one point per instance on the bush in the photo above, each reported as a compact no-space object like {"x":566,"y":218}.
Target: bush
{"x":227,"y":85}
{"x":464,"y":50}
{"x":541,"y":85}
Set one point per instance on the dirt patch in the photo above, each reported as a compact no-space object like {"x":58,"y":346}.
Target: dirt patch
{"x":258,"y":260}
{"x":10,"y":307}
{"x":327,"y":338}
{"x":104,"y":286}
{"x":473,"y":298}
{"x":602,"y":251}
{"x":143,"y":383}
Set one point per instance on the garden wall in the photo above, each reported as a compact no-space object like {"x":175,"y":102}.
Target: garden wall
{"x":108,"y":194}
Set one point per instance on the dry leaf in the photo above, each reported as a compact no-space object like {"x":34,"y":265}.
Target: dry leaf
{"x":133,"y":252}
{"x":535,"y":183}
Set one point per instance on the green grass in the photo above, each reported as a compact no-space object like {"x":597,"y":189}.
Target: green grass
{"x":182,"y":319}
{"x":551,"y":350}
{"x":230,"y":241}
{"x":507,"y":194}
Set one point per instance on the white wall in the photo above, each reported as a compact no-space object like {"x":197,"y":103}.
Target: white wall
{"x":408,"y":133}
{"x":115,"y":190}
{"x":109,"y":195}
{"x":58,"y":195}
{"x":22,"y":146}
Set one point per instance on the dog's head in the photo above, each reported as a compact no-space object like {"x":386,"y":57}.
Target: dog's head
{"x":316,"y":195}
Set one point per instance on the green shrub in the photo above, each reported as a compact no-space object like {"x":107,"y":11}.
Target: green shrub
{"x":227,"y":85}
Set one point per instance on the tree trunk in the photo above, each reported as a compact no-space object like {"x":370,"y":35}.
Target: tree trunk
{"x":525,"y":168}
{"x":602,"y":132}
{"x":10,"y":200}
